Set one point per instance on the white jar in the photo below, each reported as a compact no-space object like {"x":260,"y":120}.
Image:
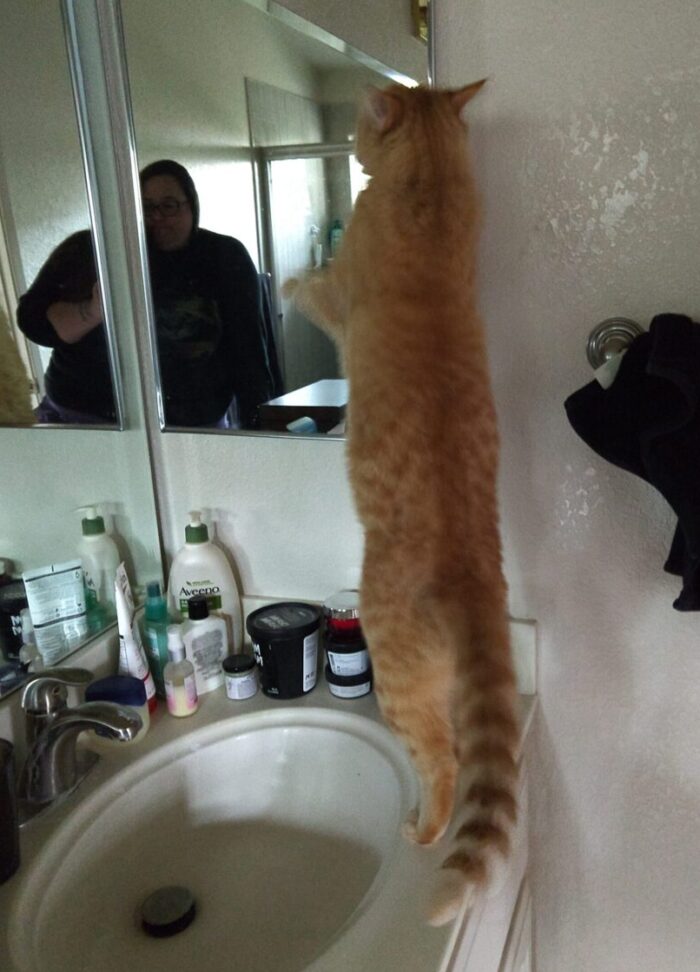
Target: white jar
{"x":240,"y":676}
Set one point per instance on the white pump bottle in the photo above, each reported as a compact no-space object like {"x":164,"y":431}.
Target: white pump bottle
{"x":200,"y":567}
{"x":100,"y":558}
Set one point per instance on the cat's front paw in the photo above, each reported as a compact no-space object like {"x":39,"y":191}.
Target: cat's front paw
{"x":423,"y":833}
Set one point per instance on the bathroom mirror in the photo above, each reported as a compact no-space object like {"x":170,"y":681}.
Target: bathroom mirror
{"x":258,"y":105}
{"x":47,"y":478}
{"x":50,"y":311}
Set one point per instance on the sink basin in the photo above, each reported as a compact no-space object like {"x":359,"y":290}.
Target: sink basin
{"x":281,"y":823}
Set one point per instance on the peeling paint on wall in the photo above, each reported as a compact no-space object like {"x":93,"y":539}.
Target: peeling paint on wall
{"x":620,"y":174}
{"x":579,"y":496}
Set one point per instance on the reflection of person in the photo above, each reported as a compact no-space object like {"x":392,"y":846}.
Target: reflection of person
{"x":207,"y":302}
{"x":62,"y":310}
{"x":212,"y":351}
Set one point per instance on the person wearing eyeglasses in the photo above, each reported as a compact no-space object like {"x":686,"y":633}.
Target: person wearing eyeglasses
{"x":212,"y":352}
{"x":214,"y":362}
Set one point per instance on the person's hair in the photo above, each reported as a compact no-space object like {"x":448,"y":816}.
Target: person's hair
{"x":72,"y":263}
{"x":184,"y":179}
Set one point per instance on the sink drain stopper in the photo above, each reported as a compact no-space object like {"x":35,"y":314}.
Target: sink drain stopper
{"x":167,"y":911}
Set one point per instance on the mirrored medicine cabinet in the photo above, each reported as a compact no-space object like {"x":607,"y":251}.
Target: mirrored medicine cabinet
{"x":258,"y":104}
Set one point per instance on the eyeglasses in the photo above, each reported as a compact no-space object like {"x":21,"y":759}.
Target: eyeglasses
{"x":167,"y":209}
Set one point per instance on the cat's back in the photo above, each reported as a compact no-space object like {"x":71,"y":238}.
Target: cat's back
{"x":413,"y":236}
{"x":422,"y":423}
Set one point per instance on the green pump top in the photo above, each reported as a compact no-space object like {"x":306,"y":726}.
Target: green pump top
{"x":92,"y":523}
{"x":196,"y":531}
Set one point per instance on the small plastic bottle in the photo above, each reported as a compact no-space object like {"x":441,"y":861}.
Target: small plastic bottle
{"x":178,"y":676}
{"x":206,"y":644}
{"x":335,"y":236}
{"x":155,"y":631}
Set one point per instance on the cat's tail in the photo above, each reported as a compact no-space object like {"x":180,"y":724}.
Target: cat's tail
{"x":488,"y":738}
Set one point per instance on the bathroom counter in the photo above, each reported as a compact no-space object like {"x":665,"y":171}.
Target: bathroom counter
{"x":399,"y":941}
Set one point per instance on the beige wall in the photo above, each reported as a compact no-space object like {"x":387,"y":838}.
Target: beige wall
{"x":41,"y":168}
{"x":586,"y":148}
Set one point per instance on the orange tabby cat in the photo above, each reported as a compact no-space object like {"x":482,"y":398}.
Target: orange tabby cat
{"x":423,"y":451}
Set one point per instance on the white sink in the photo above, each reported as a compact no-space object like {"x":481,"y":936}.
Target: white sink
{"x":283,"y":824}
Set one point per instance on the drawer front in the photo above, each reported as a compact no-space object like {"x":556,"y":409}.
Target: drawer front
{"x":517,"y":955}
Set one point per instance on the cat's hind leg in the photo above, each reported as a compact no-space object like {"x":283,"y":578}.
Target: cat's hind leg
{"x":414,"y":685}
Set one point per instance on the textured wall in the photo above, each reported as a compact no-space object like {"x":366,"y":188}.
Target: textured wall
{"x":586,"y":148}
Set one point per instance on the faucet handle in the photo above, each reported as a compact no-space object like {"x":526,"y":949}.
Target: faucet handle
{"x":45,"y":693}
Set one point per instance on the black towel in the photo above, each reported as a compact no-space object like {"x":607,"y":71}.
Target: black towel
{"x":648,"y":422}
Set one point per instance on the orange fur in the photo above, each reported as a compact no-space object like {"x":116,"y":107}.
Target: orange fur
{"x":15,"y":386}
{"x":423,"y":452}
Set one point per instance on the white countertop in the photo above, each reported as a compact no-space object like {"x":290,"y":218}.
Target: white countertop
{"x":391,"y":935}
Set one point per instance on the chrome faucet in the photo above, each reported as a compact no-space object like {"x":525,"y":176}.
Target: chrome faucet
{"x":54,"y":767}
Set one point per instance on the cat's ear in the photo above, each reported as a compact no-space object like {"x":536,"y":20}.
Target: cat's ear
{"x":463,"y":96}
{"x":383,"y":110}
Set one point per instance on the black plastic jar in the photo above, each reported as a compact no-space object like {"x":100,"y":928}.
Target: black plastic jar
{"x":347,"y":658}
{"x":285,"y":642}
{"x":349,"y":686}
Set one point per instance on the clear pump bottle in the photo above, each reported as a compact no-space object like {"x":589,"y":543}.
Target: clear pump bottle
{"x":178,"y":676}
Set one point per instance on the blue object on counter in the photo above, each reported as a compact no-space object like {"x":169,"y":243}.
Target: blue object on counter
{"x":122,"y":689}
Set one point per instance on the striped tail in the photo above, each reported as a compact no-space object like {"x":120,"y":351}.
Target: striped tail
{"x":488,"y":737}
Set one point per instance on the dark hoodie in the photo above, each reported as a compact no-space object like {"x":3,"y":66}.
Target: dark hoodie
{"x":207,"y":305}
{"x":78,"y":376}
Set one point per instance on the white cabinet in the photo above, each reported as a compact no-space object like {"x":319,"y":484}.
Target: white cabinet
{"x":517,"y":955}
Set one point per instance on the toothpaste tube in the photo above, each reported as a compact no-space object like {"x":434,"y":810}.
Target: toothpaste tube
{"x":132,"y":657}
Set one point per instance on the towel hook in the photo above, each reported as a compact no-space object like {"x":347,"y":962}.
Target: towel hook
{"x":610,"y":337}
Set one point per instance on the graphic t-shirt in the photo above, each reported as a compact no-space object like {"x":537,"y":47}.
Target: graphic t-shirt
{"x":209,"y":326}
{"x":211,"y":347}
